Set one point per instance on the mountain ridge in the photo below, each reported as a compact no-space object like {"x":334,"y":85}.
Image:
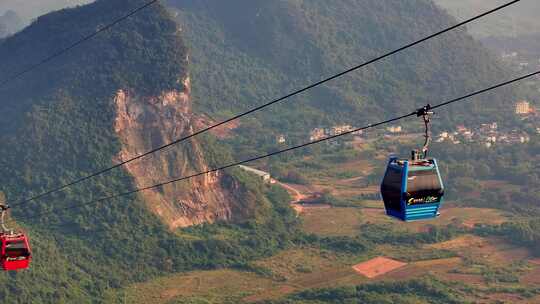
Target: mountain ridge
{"x":317,"y":30}
{"x":58,"y":123}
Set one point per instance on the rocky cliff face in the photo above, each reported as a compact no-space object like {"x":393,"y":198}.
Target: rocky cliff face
{"x":143,"y":123}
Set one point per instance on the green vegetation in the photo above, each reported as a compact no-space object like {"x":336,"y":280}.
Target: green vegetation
{"x":61,"y":129}
{"x":262,"y":52}
{"x":504,"y":176}
{"x":469,"y":168}
{"x":524,"y":233}
{"x":416,"y":291}
{"x":57,"y":125}
{"x":386,"y":234}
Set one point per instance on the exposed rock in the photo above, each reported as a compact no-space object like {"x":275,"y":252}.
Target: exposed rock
{"x":144,"y":123}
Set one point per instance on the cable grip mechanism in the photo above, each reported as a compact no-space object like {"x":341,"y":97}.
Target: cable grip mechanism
{"x":3,"y":210}
{"x":426,"y":113}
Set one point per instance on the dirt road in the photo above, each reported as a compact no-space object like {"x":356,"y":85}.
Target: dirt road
{"x":296,"y":194}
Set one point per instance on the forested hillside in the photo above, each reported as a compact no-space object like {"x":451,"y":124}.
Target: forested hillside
{"x":59,"y":122}
{"x":251,"y":51}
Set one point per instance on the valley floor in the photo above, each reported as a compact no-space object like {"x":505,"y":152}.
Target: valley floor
{"x":467,"y":260}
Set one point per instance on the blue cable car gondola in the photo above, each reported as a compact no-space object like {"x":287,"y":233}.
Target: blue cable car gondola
{"x":413,"y":189}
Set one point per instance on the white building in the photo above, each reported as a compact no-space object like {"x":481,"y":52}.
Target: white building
{"x":524,"y":139}
{"x":265,"y":176}
{"x":488,"y":127}
{"x":443,"y":136}
{"x":394,"y":129}
{"x":509,"y":55}
{"x":316,"y":134}
{"x":336,"y":130}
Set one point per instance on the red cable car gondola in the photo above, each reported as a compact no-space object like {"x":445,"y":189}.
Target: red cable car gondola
{"x":15,"y":253}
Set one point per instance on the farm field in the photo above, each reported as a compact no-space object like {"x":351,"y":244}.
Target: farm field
{"x":332,"y":222}
{"x":290,"y":271}
{"x":491,"y":250}
{"x":377,"y":267}
{"x":467,"y":217}
{"x":346,"y":221}
{"x":301,"y":268}
{"x":216,"y":286}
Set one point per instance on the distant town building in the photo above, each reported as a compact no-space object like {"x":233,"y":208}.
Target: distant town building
{"x":316,"y":134}
{"x":523,"y":107}
{"x":487,"y":127}
{"x":442,"y":136}
{"x":336,"y":130}
{"x":509,"y":55}
{"x":514,"y":137}
{"x":281,"y":139}
{"x":487,"y":134}
{"x":265,"y":176}
{"x":394,"y":129}
{"x":491,"y":139}
{"x":447,"y":136}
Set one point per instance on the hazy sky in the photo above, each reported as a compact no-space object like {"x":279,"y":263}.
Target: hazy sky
{"x":30,"y":9}
{"x":520,"y":18}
